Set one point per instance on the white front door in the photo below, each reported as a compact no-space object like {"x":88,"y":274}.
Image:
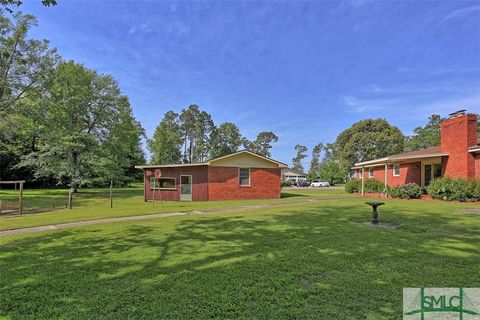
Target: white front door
{"x":185,"y":188}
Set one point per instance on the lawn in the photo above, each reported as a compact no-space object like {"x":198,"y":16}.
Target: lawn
{"x":314,"y":260}
{"x":92,"y":204}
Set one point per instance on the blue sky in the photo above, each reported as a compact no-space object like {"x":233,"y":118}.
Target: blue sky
{"x":305,"y":70}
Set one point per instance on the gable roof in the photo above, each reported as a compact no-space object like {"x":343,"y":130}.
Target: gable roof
{"x":207,"y":163}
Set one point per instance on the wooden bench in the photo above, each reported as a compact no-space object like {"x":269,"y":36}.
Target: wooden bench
{"x":7,"y":207}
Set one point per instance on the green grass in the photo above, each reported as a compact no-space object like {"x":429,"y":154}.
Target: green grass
{"x":314,"y":260}
{"x":92,"y":204}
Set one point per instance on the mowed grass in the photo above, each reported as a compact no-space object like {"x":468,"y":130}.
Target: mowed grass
{"x":310,"y":261}
{"x":90,"y":204}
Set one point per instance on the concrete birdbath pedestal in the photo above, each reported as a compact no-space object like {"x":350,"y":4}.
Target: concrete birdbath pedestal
{"x":374,"y":206}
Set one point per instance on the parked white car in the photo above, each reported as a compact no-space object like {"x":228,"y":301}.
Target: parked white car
{"x":319,"y":184}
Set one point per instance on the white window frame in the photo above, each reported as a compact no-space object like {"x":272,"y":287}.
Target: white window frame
{"x":370,"y":172}
{"x":249,"y":178}
{"x":152,"y":187}
{"x":393,"y":169}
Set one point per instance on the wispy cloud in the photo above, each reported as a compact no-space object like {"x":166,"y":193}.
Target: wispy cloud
{"x":142,"y":28}
{"x":460,"y":13}
{"x":440,"y":71}
{"x":367,"y":105}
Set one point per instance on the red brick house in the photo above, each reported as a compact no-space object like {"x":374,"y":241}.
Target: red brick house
{"x":458,"y":156}
{"x":241,"y":175}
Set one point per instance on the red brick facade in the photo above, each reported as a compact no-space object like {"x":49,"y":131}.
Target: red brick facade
{"x":409,"y":173}
{"x":223,"y":184}
{"x":217,"y":183}
{"x":458,"y":134}
{"x":199,"y":183}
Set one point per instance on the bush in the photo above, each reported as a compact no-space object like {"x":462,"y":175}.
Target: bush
{"x":286,"y":184}
{"x":371,"y":185}
{"x":406,"y":191}
{"x":353,"y":186}
{"x":455,"y":189}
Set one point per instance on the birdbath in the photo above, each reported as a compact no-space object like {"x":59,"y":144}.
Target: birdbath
{"x":374,"y":206}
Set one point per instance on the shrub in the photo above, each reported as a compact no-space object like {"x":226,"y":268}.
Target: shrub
{"x":455,"y":189}
{"x":371,"y":185}
{"x":406,"y":191}
{"x":286,"y":183}
{"x":353,"y":186}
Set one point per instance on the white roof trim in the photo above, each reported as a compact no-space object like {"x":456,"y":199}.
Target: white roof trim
{"x":171,"y":165}
{"x":473,"y":150}
{"x":392,"y":160}
{"x":207,"y":163}
{"x":280,"y":164}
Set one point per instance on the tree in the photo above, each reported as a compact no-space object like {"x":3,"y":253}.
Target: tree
{"x":332,"y":172}
{"x":297,"y":160}
{"x":197,"y":127}
{"x":225,"y":139}
{"x":92,"y":136}
{"x":366,"y":140}
{"x":167,"y":141}
{"x":8,"y":3}
{"x":262,"y":144}
{"x":24,"y":63}
{"x":315,"y":161}
{"x":425,"y":137}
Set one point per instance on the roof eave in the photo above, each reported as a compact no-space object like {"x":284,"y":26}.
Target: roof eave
{"x":391,"y":160}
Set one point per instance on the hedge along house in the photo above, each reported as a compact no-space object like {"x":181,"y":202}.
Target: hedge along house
{"x":458,"y":156}
{"x":240,"y":175}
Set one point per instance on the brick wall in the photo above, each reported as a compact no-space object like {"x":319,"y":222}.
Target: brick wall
{"x":199,"y":183}
{"x":457,"y":134}
{"x":223,"y":184}
{"x":409,"y":173}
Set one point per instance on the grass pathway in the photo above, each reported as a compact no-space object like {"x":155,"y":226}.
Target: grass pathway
{"x":150,"y":216}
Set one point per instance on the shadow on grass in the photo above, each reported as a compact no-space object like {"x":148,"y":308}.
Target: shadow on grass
{"x":291,"y":195}
{"x":313,"y":263}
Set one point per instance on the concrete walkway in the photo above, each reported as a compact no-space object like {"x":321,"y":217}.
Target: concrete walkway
{"x":146,"y":217}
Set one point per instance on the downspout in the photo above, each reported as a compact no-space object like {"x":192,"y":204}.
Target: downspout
{"x":386,"y":182}
{"x":363,"y":181}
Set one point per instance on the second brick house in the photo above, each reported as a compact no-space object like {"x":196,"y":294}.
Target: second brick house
{"x":457,"y":156}
{"x":241,"y":175}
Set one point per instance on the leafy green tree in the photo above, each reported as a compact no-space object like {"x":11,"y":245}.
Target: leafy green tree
{"x":315,"y":161}
{"x":7,"y":4}
{"x":167,"y":141}
{"x":225,"y":139}
{"x":332,"y":172}
{"x":262,"y":144}
{"x":24,"y":63}
{"x":197,"y":127}
{"x":425,"y":137}
{"x":92,"y":136}
{"x":297,"y":160}
{"x":366,"y":140}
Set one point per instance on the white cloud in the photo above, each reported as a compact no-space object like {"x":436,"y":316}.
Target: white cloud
{"x":459,"y":13}
{"x":142,"y":28}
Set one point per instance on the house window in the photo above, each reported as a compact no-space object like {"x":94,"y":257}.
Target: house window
{"x":370,"y":172}
{"x":163,"y":183}
{"x":244,"y":177}
{"x":396,"y":170}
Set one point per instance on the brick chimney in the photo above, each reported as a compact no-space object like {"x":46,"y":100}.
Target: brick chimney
{"x":458,"y":132}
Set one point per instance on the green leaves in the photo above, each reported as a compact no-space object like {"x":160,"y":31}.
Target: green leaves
{"x":366,"y":140}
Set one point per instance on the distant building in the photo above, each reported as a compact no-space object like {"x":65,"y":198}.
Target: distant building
{"x":457,"y":156}
{"x":293,"y":175}
{"x":240,"y":175}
